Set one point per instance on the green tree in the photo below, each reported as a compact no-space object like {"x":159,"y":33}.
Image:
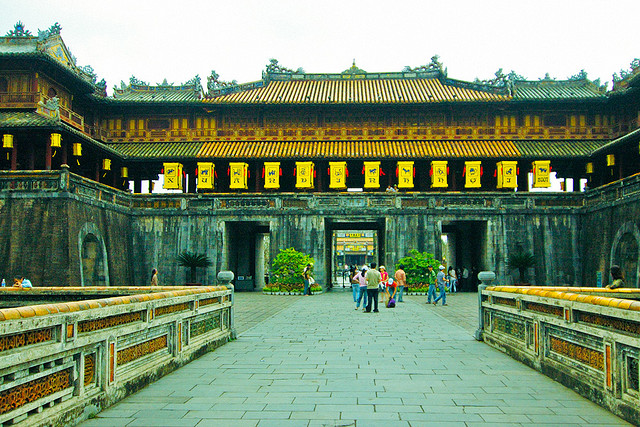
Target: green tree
{"x":522,"y":261}
{"x":416,"y":264}
{"x":286,"y":268}
{"x":192,"y":261}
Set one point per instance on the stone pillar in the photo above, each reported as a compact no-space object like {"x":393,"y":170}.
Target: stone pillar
{"x":486,"y":277}
{"x":224,"y":279}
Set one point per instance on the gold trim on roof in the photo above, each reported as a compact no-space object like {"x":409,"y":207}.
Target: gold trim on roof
{"x":356,"y":91}
{"x":357,"y":149}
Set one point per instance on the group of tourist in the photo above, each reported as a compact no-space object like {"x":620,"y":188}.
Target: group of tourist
{"x":370,"y":284}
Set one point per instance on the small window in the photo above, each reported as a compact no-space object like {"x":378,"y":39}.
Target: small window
{"x":52,"y":93}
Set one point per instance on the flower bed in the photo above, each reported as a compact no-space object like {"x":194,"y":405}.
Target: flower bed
{"x":288,"y":289}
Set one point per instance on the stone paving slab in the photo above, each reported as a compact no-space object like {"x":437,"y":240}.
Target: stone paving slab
{"x":315,"y":361}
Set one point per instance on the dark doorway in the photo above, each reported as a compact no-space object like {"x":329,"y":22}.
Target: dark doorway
{"x":367,"y":238}
{"x":248,"y":243}
{"x":464,"y":248}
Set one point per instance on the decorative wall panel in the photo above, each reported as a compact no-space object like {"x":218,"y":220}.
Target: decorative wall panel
{"x":8,"y":342}
{"x":140,"y":350}
{"x":109,"y":322}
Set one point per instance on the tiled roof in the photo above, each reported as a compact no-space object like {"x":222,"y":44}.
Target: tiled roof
{"x":556,"y":90}
{"x":381,"y":91}
{"x":551,"y":149}
{"x":157,"y":150}
{"x":357,"y":149}
{"x":13,"y":119}
{"x":144,"y":93}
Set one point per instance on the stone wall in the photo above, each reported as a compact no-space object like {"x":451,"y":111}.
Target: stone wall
{"x":47,"y":217}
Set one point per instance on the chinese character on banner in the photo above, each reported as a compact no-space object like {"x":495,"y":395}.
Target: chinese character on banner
{"x":338,"y":175}
{"x":439,"y":173}
{"x":305,"y":173}
{"x":205,"y":175}
{"x":507,"y":172}
{"x":238,"y":174}
{"x":172,"y":176}
{"x":271,"y":175}
{"x":541,"y":173}
{"x":405,"y":174}
{"x":371,"y":174}
{"x":472,"y":173}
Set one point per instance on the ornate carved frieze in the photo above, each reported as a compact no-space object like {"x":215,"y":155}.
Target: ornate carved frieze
{"x":8,"y":342}
{"x":168,"y":309}
{"x":31,"y":391}
{"x":579,"y":353}
{"x":89,"y":368}
{"x":505,"y":301}
{"x":109,"y":322}
{"x":208,"y":301}
{"x":544,"y":308}
{"x":204,"y":326}
{"x":622,"y":325}
{"x":140,"y":350}
{"x":509,"y":325}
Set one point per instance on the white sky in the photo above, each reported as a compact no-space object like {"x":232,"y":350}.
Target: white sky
{"x":176,"y":40}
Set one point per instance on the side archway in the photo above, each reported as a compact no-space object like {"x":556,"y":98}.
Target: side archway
{"x":94,"y":266}
{"x":625,"y":252}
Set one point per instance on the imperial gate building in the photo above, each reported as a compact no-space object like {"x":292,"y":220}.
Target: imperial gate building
{"x":299,"y":159}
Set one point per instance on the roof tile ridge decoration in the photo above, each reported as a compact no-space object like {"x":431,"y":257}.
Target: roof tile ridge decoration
{"x":73,"y":306}
{"x":138,"y":86}
{"x":627,"y":78}
{"x":564,"y":294}
{"x":50,"y":44}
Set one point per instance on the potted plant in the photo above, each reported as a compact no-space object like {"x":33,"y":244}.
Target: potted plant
{"x":522,"y":260}
{"x":192,"y":261}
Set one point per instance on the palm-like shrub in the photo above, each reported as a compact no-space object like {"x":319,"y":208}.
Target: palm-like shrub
{"x":522,"y":261}
{"x":192,"y":261}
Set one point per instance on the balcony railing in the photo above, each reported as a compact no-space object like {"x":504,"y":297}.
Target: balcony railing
{"x":361,"y":133}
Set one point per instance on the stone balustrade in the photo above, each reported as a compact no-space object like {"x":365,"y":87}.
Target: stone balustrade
{"x":586,"y":338}
{"x":63,"y":362}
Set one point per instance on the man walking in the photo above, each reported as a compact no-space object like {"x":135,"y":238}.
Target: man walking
{"x":400,"y":278}
{"x":373,"y":278}
{"x":431,"y":280}
{"x":441,"y":278}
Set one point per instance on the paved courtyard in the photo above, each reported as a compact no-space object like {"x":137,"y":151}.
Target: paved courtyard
{"x":315,"y":361}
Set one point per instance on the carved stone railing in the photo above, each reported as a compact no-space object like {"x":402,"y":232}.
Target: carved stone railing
{"x":586,"y":338}
{"x":63,"y":362}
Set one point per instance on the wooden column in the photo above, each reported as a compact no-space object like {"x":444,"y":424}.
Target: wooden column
{"x":137,"y":186}
{"x":14,"y":157}
{"x":47,"y":156}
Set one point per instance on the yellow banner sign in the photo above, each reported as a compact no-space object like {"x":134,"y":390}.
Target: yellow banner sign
{"x":238,"y":179}
{"x":304,"y":174}
{"x":405,"y":174}
{"x":472,"y":174}
{"x":371,"y":174}
{"x":439,"y":172}
{"x":507,"y":174}
{"x":271,"y":175}
{"x":205,"y":175}
{"x":172,"y":176}
{"x":541,"y":173}
{"x":338,"y":175}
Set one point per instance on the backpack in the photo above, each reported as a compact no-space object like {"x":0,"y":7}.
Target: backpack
{"x":392,"y":303}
